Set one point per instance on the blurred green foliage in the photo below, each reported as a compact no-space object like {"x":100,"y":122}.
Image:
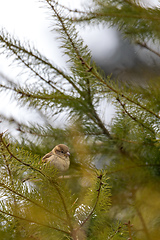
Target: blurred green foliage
{"x":111,"y":190}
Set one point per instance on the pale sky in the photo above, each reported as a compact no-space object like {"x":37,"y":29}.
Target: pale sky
{"x":27,"y":20}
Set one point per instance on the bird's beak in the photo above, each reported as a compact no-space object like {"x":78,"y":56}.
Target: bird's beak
{"x":68,"y":153}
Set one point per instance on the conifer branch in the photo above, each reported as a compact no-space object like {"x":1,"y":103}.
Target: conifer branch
{"x":36,"y":96}
{"x":74,"y":231}
{"x":35,"y":222}
{"x":95,"y":117}
{"x":129,"y":225}
{"x":144,"y":45}
{"x":101,"y":124}
{"x":114,"y":13}
{"x":90,"y":111}
{"x":133,"y":118}
{"x":115,"y":233}
{"x":64,"y":205}
{"x":136,"y":142}
{"x":92,"y":70}
{"x":44,"y":175}
{"x":69,"y":9}
{"x":64,"y":28}
{"x":37,"y":74}
{"x":123,"y":95}
{"x":17,"y":48}
{"x":11,"y":181}
{"x":97,"y":198}
{"x":9,"y":171}
{"x":23,"y":128}
{"x":31,"y":201}
{"x":19,"y":160}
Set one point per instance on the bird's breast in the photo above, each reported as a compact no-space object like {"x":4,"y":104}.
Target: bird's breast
{"x":60,"y":163}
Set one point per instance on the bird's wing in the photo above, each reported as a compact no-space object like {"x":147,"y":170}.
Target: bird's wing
{"x":44,"y":159}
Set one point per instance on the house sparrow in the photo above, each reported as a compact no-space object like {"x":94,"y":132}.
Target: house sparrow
{"x":58,"y":157}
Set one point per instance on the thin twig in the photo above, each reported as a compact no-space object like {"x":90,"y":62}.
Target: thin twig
{"x":132,"y":167}
{"x":19,"y":160}
{"x":69,"y":9}
{"x":37,"y":96}
{"x":95,"y":15}
{"x":123,"y":95}
{"x":115,"y":232}
{"x":129,"y":226}
{"x":37,"y":74}
{"x":143,"y":223}
{"x":135,"y":142}
{"x":74,"y":231}
{"x":133,"y":118}
{"x":44,"y":61}
{"x":94,"y":207}
{"x":12,"y":183}
{"x":144,"y":45}
{"x":64,"y":205}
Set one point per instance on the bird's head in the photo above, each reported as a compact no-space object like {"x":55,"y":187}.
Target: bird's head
{"x":62,"y":150}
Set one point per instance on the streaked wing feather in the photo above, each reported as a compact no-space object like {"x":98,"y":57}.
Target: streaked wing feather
{"x":47,"y":156}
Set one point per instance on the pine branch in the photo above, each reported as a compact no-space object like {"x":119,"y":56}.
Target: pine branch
{"x":67,"y":8}
{"x":24,"y":93}
{"x":133,"y":118}
{"x":37,"y":74}
{"x":115,"y":233}
{"x":99,"y":15}
{"x":52,"y":182}
{"x":64,"y":204}
{"x":115,"y":10}
{"x":101,"y":124}
{"x":123,"y":95}
{"x":129,"y":225}
{"x":96,"y":202}
{"x":31,"y":201}
{"x":35,"y":222}
{"x":144,"y":45}
{"x":92,"y":113}
{"x":12,"y":181}
{"x":17,"y":50}
{"x":92,"y":70}
{"x":74,"y":232}
{"x":19,"y":160}
{"x":136,"y":142}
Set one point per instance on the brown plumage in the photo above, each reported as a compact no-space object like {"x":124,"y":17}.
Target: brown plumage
{"x":58,"y":157}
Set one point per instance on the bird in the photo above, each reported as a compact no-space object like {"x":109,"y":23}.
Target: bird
{"x":58,"y":157}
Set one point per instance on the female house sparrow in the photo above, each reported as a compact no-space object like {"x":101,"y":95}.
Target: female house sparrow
{"x":58,"y":157}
